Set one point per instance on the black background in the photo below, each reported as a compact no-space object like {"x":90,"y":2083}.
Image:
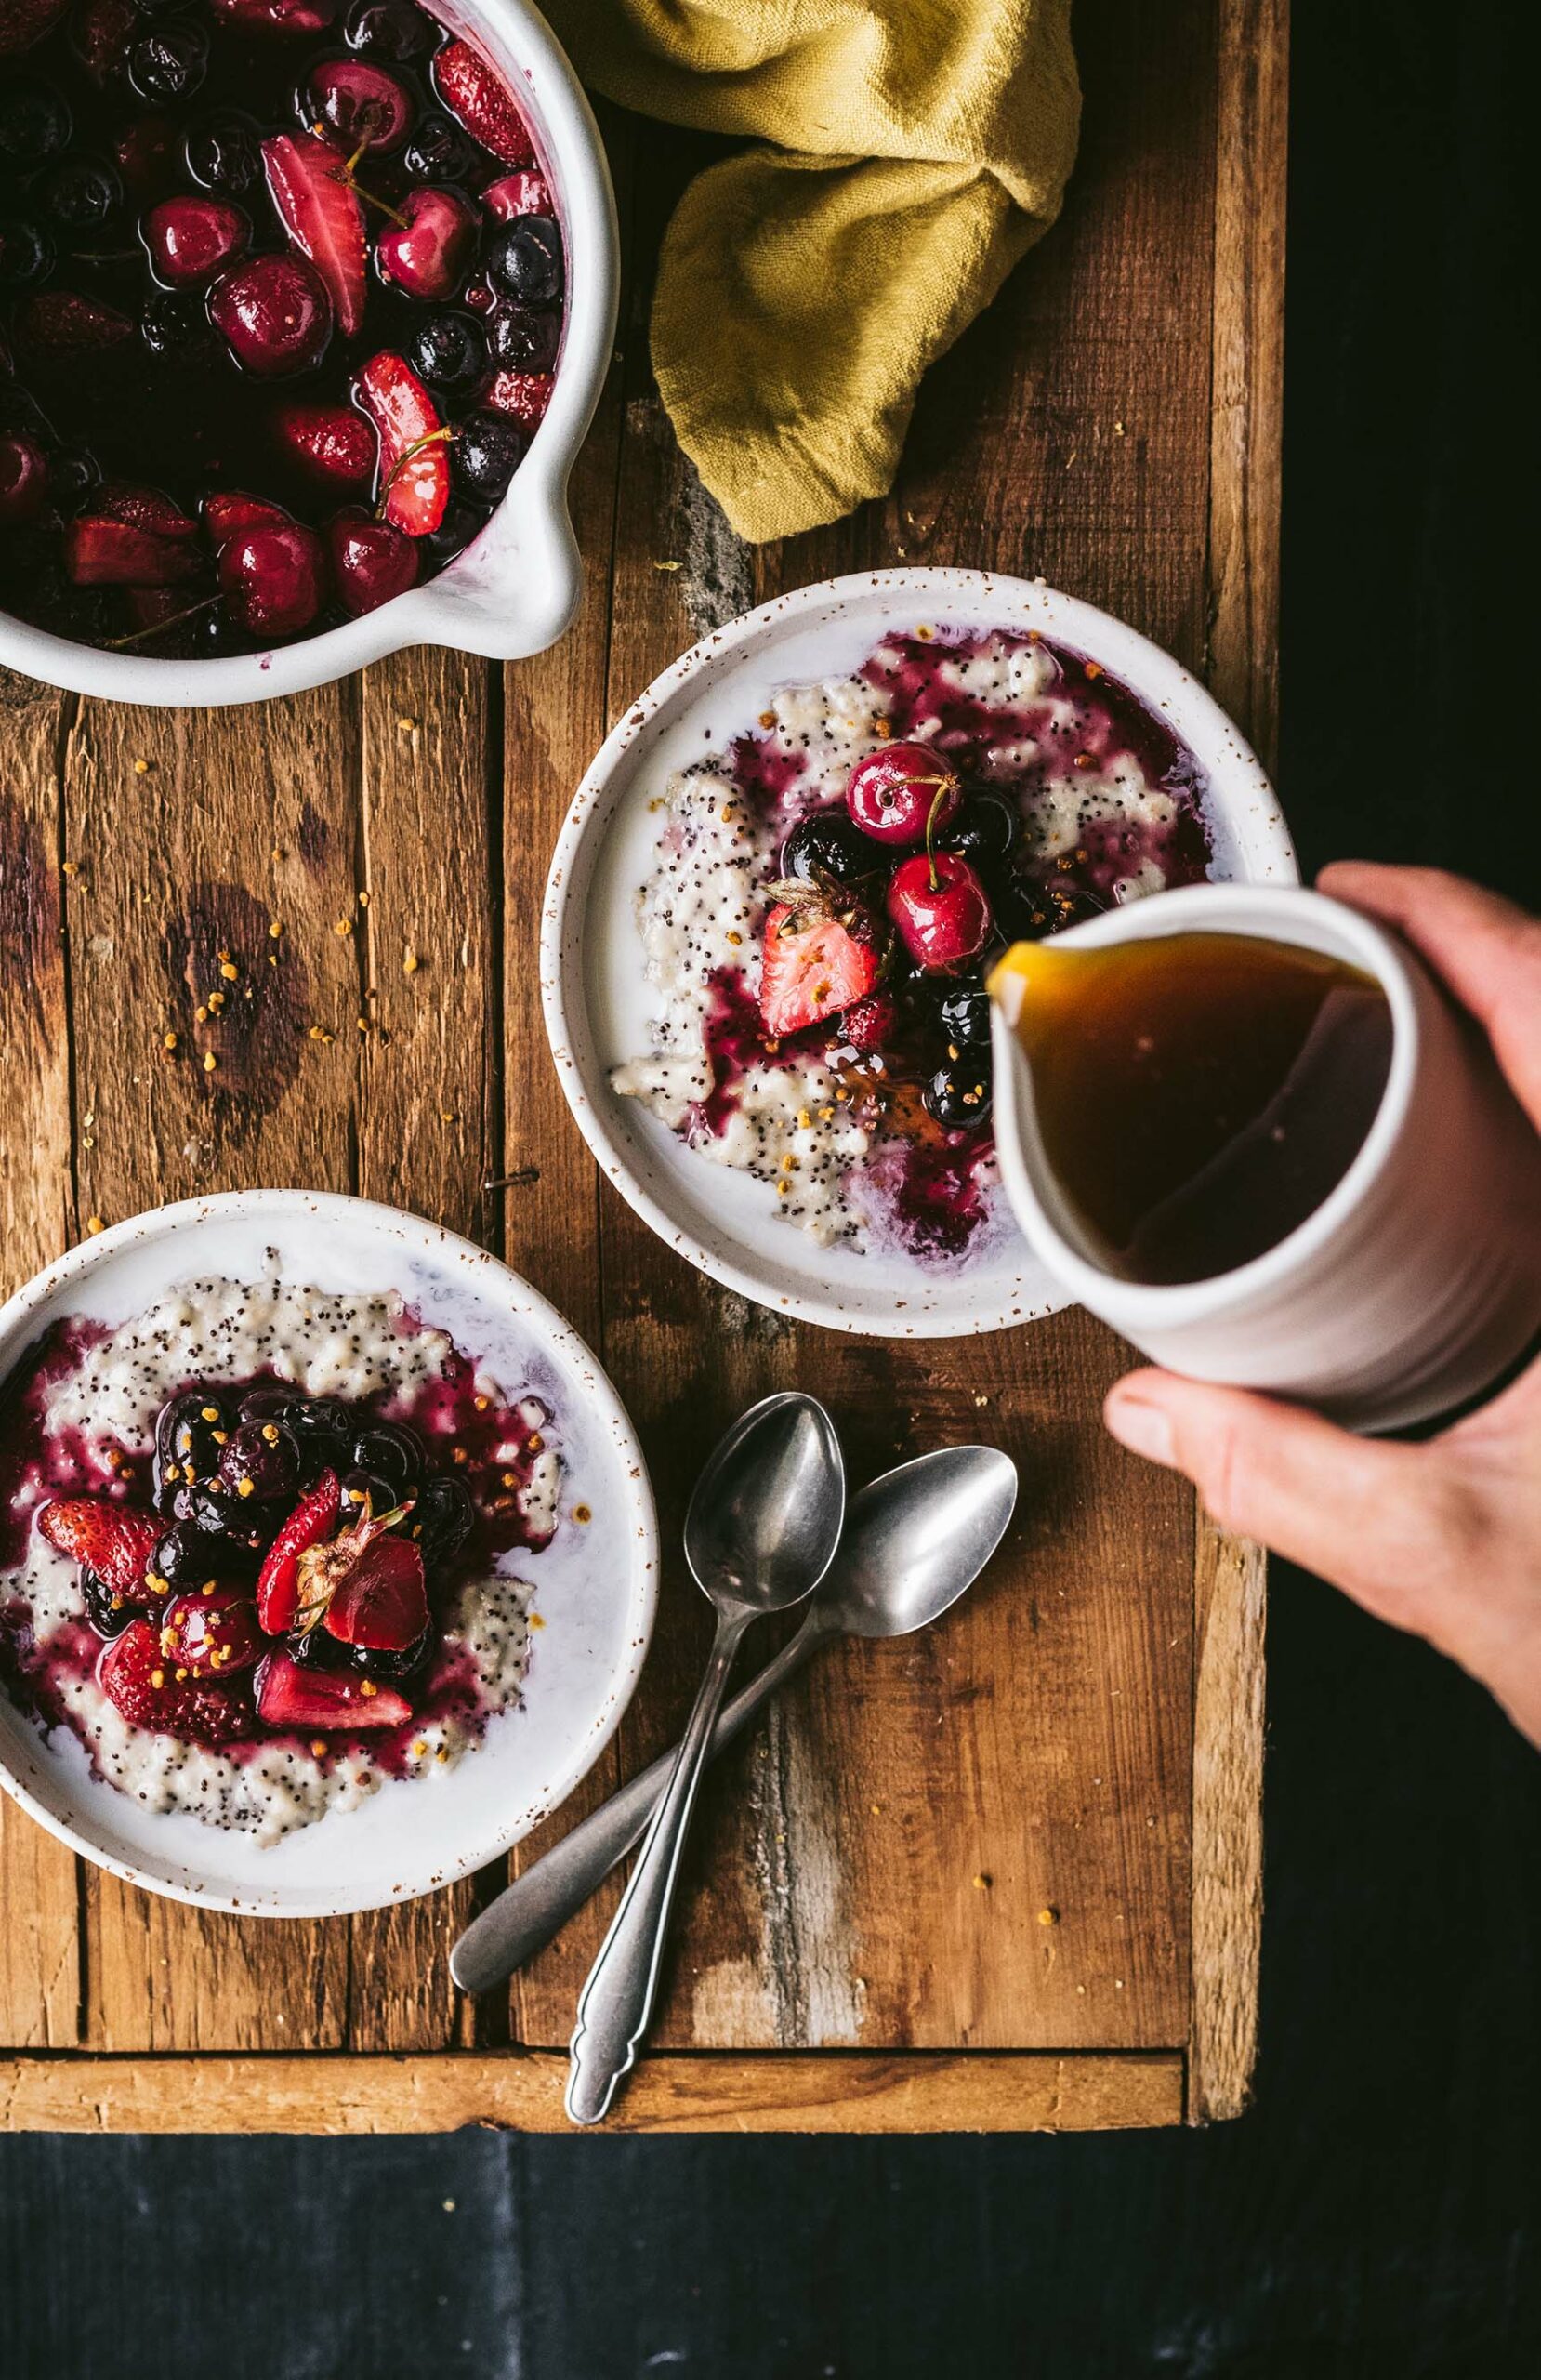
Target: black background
{"x":1378,"y":2216}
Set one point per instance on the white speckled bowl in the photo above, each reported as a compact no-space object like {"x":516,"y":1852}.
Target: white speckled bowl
{"x":596,"y":1586}
{"x":596,"y":996}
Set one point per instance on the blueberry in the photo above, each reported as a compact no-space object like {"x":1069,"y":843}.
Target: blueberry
{"x":525,"y":261}
{"x":174,"y":324}
{"x":184,"y":1557}
{"x":260,"y":1458}
{"x":965,"y":1016}
{"x":485,"y":455}
{"x":455,"y":531}
{"x":108,"y":1613}
{"x":26,"y":253}
{"x":523,"y":340}
{"x":961,"y":1094}
{"x":830,"y":843}
{"x":169,"y":63}
{"x":266,"y":1405}
{"x":374,"y":1661}
{"x":213,"y":1509}
{"x":189,"y":1431}
{"x":444,"y":1518}
{"x":439,"y":151}
{"x":34,"y":124}
{"x":448,"y":351}
{"x":73,"y":473}
{"x":392,"y":1452}
{"x":985,"y":828}
{"x":80,"y":194}
{"x":390,"y":29}
{"x":224,"y":152}
{"x":1026,"y":910}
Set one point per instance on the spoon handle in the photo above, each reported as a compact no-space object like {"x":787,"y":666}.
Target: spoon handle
{"x":617,"y":2000}
{"x":537,"y":1905}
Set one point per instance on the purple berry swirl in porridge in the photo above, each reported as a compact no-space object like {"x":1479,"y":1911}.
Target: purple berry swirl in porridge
{"x":831,"y":890}
{"x":264,"y":1547}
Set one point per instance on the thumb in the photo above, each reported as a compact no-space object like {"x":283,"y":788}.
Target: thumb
{"x":1357,"y":1511}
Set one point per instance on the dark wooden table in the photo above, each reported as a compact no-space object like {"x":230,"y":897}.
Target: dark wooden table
{"x":1374,"y":2215}
{"x":1010,"y":1871}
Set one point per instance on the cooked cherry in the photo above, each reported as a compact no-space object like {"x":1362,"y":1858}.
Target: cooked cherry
{"x":34,"y":124}
{"x":448,"y":351}
{"x":486,"y":455}
{"x":212,"y":1634}
{"x":23,"y":478}
{"x":524,"y":259}
{"x":170,"y":62}
{"x":965,"y":1016}
{"x":439,"y":151}
{"x":940,"y":910}
{"x":275,"y":313}
{"x":523,"y":340}
{"x":224,"y":152}
{"x":902,"y":792}
{"x":366,"y":107}
{"x":961,"y":1093}
{"x":828,"y":844}
{"x":389,"y":28}
{"x":261,"y":1458}
{"x":79,"y":194}
{"x":425,"y":253}
{"x":986,"y":827}
{"x":26,"y":253}
{"x":372,"y":562}
{"x":274,"y":580}
{"x":190,"y":240}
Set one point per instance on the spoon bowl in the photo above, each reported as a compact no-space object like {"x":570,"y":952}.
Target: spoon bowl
{"x":766,"y":1512}
{"x":917,"y":1539}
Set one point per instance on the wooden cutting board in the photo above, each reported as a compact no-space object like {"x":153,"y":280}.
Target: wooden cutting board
{"x":1004,"y":1875}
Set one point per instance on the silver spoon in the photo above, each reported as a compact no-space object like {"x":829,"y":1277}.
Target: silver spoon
{"x":760,"y":1532}
{"x":915,"y":1540}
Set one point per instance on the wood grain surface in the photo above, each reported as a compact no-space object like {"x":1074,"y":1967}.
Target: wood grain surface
{"x":982,"y":1841}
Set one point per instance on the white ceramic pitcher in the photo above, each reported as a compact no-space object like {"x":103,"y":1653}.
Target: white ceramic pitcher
{"x":1418,"y":1277}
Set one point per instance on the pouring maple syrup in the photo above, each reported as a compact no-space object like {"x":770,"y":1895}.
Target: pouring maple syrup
{"x":1198,"y":1095}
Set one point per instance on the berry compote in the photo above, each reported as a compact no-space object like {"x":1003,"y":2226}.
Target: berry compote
{"x":280,"y":301}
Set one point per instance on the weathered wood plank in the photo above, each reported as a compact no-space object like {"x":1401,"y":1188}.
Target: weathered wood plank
{"x":520,"y":2092}
{"x":237,"y":821}
{"x":39,"y":1951}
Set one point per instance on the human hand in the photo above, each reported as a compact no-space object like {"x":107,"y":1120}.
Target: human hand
{"x":1442,"y":1537}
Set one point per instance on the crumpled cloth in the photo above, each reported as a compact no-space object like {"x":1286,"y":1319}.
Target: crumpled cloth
{"x":913,"y":150}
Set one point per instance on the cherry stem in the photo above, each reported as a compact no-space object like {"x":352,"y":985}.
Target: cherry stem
{"x":175,"y":619}
{"x":346,"y":173}
{"x":943,"y":787}
{"x":431,"y":438}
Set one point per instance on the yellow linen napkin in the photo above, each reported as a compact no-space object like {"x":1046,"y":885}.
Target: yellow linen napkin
{"x":803,"y":288}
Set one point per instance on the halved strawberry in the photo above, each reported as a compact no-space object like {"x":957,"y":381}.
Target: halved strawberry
{"x":141,"y":1683}
{"x":24,"y":22}
{"x":381,"y":1602}
{"x":323,"y":214}
{"x":485,"y":106}
{"x":59,"y":322}
{"x":289,"y":1695}
{"x":231,"y":513}
{"x":414,"y":462}
{"x":527,"y":192}
{"x":333,"y":443}
{"x":111,"y":553}
{"x":146,"y":509}
{"x":213,"y":1634}
{"x":112,"y":1539}
{"x":811,"y":966}
{"x":314,"y":1517}
{"x":523,"y":396}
